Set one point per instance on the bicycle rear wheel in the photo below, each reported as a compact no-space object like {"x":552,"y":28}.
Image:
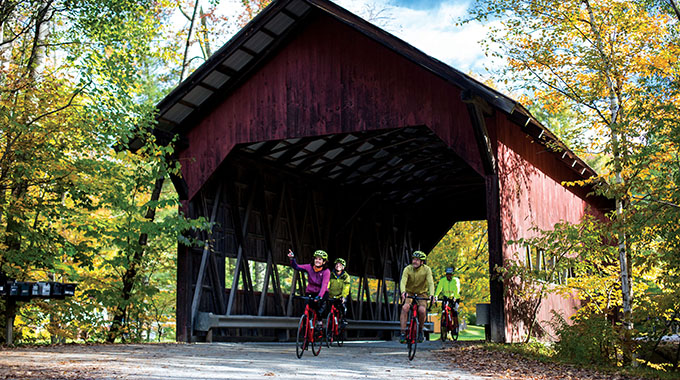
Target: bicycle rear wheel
{"x":330,"y":329}
{"x":412,"y":338}
{"x":301,"y":341}
{"x":317,"y":338}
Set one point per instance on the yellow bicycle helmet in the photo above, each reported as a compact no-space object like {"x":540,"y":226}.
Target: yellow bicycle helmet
{"x":420,"y":254}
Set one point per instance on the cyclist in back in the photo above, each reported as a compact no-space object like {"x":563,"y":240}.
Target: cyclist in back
{"x":416,"y":280}
{"x":449,"y":285}
{"x":318,"y":277}
{"x":449,"y":288}
{"x":338,"y":288}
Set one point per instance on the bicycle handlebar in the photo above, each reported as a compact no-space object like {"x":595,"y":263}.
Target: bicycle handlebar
{"x":445,"y":298}
{"x":418,"y":298}
{"x":422,"y":299}
{"x":307,"y":298}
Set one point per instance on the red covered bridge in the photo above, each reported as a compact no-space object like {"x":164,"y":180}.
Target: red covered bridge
{"x":313,"y":128}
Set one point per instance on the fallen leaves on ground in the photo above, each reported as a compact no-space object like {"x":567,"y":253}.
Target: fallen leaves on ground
{"x":34,"y":371}
{"x":475,"y":358}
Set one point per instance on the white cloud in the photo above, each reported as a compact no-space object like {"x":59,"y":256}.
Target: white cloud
{"x":432,"y":30}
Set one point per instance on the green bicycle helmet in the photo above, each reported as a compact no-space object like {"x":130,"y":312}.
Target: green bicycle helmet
{"x":420,"y":254}
{"x":341,"y":261}
{"x":321,"y":254}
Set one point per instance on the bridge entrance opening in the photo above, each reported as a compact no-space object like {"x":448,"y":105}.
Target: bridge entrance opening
{"x":370,"y":198}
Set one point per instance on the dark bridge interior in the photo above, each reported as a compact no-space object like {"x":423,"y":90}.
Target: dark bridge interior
{"x":369,"y":197}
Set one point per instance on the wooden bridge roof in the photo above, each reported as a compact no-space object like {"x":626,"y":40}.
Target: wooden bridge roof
{"x":396,"y":153}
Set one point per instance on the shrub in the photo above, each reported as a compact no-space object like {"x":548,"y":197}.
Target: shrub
{"x":591,"y":339}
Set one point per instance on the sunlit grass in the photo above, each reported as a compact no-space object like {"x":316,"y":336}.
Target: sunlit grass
{"x":470,"y":333}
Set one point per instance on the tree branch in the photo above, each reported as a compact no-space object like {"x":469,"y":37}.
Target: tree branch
{"x":70,"y":101}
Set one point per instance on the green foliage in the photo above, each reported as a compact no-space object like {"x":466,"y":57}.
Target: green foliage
{"x":594,"y":334}
{"x":465,"y":248}
{"x":573,"y":260}
{"x":71,"y":207}
{"x":591,"y":339}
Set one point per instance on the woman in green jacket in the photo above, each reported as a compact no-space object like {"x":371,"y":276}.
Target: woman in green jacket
{"x":338,"y":288}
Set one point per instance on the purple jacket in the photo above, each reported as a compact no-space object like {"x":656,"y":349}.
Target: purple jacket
{"x":317,"y":282}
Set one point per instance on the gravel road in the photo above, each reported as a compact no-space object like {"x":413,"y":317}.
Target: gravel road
{"x":355,"y":360}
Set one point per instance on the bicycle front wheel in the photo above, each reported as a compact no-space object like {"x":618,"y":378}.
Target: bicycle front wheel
{"x":443,"y":327}
{"x":340,"y":338}
{"x":412,"y":339}
{"x":316,"y":338}
{"x":456,"y":327}
{"x":301,"y":341}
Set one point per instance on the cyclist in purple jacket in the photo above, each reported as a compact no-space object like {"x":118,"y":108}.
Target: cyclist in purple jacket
{"x":317,"y":278}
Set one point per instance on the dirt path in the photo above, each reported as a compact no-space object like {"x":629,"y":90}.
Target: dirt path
{"x":356,"y":360}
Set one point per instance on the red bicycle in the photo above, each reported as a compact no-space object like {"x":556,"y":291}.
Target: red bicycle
{"x":307,"y":335}
{"x":449,"y":318}
{"x":334,"y":331}
{"x":413,"y":326}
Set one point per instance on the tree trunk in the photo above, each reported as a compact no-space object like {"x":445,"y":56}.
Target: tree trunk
{"x":617,"y":156}
{"x":186,"y":47}
{"x":130,"y":275}
{"x":205,"y":40}
{"x":675,"y":8}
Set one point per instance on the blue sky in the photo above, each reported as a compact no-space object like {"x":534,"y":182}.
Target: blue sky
{"x":417,"y":4}
{"x":429,"y":25}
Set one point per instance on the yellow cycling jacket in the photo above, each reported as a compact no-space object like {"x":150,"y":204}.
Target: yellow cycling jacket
{"x":417,"y":281}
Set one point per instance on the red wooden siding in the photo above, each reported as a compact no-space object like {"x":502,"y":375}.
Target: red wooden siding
{"x":531,"y":195}
{"x":330,"y":79}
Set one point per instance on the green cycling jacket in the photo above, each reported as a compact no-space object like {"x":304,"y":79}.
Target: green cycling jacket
{"x":451,"y":289}
{"x":338,"y":286}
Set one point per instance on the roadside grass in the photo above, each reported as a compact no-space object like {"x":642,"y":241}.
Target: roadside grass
{"x":471,"y":333}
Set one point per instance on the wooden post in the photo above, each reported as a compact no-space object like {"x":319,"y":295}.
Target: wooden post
{"x":184,"y":282}
{"x":10,"y":313}
{"x":493,"y":218}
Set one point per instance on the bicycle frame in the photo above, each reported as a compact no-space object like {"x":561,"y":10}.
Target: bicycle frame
{"x":412,"y":333}
{"x":449,"y":318}
{"x":413,"y":326}
{"x":336,"y":317}
{"x":446,"y":315}
{"x":333,"y":331}
{"x":310,"y":318}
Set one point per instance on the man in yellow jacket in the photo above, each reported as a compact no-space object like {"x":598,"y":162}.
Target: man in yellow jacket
{"x":416,"y":280}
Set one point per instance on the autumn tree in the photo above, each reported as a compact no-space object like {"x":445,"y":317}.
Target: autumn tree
{"x":612,"y":62}
{"x":74,"y":85}
{"x":465,"y":248}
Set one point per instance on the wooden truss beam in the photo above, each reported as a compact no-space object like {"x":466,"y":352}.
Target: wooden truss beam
{"x":196,"y":300}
